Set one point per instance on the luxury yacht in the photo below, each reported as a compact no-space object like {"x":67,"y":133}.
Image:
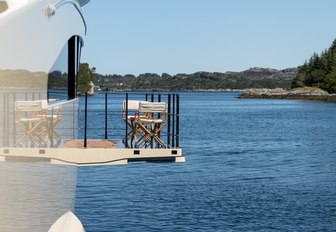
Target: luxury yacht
{"x":40,"y":140}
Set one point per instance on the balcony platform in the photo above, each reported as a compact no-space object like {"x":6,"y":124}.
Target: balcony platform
{"x":90,"y":144}
{"x":97,"y":152}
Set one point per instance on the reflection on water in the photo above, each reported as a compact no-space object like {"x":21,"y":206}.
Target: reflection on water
{"x":34,"y":195}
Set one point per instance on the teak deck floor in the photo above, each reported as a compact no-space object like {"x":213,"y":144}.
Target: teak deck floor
{"x":90,"y":144}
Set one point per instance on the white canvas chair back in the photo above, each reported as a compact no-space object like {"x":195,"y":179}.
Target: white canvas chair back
{"x":28,"y":106}
{"x":152,"y":107}
{"x":131,"y":105}
{"x":132,"y":108}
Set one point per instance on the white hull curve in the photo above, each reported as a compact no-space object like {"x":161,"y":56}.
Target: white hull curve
{"x":67,"y":223}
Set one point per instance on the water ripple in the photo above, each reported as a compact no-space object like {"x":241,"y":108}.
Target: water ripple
{"x":252,"y":165}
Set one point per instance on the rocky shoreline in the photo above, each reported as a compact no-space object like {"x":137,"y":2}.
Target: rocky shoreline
{"x":306,"y":93}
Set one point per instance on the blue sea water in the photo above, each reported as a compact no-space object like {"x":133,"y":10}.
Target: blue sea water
{"x":251,"y":165}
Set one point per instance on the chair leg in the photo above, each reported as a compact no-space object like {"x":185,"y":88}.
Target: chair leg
{"x":33,"y":136}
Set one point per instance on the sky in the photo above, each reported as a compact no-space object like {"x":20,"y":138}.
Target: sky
{"x":187,"y":36}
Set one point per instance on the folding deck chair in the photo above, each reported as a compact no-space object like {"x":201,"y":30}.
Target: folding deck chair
{"x":149,"y":121}
{"x":29,"y":115}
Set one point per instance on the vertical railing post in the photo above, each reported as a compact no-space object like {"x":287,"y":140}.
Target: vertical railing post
{"x":126,"y":118}
{"x":75,"y":114}
{"x":5,"y":120}
{"x":168,"y":121}
{"x":105,"y":115}
{"x":85,"y":121}
{"x":8,"y":119}
{"x":14,"y":124}
{"x":177,"y":120}
{"x":52,"y":126}
{"x":173,"y":123}
{"x":159,"y":115}
{"x":152,"y":100}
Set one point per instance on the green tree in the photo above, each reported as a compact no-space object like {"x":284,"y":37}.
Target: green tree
{"x":85,"y":77}
{"x":319,"y":71}
{"x":330,"y":82}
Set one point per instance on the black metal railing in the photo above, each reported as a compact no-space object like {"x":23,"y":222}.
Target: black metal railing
{"x":8,"y":128}
{"x":101,"y":116}
{"x":11,"y":130}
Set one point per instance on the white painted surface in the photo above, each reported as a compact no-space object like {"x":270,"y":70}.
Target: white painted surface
{"x":34,"y":195}
{"x":67,"y":223}
{"x":31,"y":40}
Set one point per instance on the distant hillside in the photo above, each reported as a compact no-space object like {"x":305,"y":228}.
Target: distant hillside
{"x":199,"y":81}
{"x":260,"y":73}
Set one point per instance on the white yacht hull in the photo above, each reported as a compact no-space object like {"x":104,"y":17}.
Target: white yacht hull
{"x":34,"y":195}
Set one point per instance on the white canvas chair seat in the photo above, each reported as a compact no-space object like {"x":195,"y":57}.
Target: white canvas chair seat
{"x":26,"y":120}
{"x":150,"y":120}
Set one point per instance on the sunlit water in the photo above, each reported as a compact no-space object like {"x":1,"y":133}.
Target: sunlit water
{"x":252,"y":165}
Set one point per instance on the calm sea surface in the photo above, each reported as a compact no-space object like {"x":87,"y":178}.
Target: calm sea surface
{"x":252,"y":165}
